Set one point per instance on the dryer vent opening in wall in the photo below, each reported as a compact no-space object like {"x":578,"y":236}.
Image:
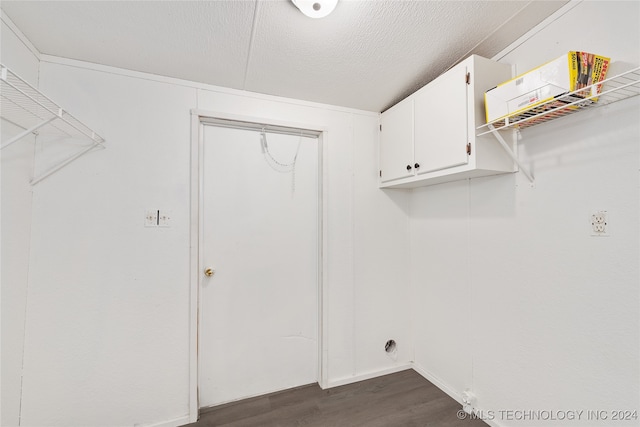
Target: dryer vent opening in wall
{"x":391,"y":349}
{"x":390,"y":346}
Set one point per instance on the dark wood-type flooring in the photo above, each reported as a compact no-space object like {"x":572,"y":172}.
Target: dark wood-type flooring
{"x":401,"y":399}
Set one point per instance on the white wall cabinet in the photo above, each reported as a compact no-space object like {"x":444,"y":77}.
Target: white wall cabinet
{"x":441,"y":110}
{"x":429,"y":137}
{"x":396,"y":147}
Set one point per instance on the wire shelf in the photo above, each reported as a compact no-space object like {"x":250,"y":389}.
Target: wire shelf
{"x":617,"y":88}
{"x":26,"y":107}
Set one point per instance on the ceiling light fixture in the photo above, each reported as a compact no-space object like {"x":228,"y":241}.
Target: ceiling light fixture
{"x":316,"y":8}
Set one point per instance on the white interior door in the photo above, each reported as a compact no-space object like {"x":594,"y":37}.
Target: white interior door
{"x":258,"y":328}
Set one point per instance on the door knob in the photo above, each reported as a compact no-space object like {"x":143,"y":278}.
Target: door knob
{"x":209,"y":272}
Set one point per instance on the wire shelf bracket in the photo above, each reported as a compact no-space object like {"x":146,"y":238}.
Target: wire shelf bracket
{"x":26,"y":107}
{"x":616,"y":88}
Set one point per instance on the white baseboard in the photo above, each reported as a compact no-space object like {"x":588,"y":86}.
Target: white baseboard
{"x":451,"y":392}
{"x":438,"y":382}
{"x":368,"y":375}
{"x":170,"y":423}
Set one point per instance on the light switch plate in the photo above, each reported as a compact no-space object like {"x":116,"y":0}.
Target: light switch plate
{"x":164,"y":219}
{"x":151,"y":218}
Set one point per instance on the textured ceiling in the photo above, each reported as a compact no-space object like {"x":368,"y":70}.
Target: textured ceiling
{"x":367,"y":54}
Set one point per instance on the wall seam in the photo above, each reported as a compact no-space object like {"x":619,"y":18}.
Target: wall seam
{"x":412,"y":285}
{"x":470,"y":284}
{"x":353,"y":245}
{"x":251,"y":41}
{"x":26,"y":302}
{"x":29,"y":258}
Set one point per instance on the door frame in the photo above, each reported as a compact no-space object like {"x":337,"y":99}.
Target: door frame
{"x":199,"y":119}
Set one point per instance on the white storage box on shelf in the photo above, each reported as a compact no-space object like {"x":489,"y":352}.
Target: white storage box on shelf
{"x":622,"y":86}
{"x":553,"y":80}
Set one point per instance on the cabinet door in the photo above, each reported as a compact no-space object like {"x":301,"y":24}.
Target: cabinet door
{"x":396,"y":141}
{"x":441,"y":122}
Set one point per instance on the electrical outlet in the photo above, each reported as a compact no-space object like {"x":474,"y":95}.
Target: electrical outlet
{"x":468,"y":401}
{"x":599,"y":224}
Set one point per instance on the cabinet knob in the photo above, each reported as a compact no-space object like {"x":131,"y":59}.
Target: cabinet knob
{"x":408,"y":167}
{"x":417,"y":165}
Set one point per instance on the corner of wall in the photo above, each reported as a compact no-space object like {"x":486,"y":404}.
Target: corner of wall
{"x":20,"y":55}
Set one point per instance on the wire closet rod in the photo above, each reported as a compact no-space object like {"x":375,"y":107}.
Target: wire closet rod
{"x":260,"y":127}
{"x":37,"y":106}
{"x":24,"y":106}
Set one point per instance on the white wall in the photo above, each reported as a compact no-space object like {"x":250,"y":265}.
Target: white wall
{"x":16,"y":168}
{"x":108,"y":310}
{"x":381,"y":260}
{"x":508,"y":297}
{"x":513,"y":299}
{"x":107,"y":321}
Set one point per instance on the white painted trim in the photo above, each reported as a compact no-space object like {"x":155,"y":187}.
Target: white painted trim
{"x":194,"y":249}
{"x":450,"y":391}
{"x":323,"y":241}
{"x":535,"y":30}
{"x":170,"y":423}
{"x":198,"y":120}
{"x":369,"y":375}
{"x":437,"y":382}
{"x":14,"y":28}
{"x":191,"y":84}
{"x":204,"y":115}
